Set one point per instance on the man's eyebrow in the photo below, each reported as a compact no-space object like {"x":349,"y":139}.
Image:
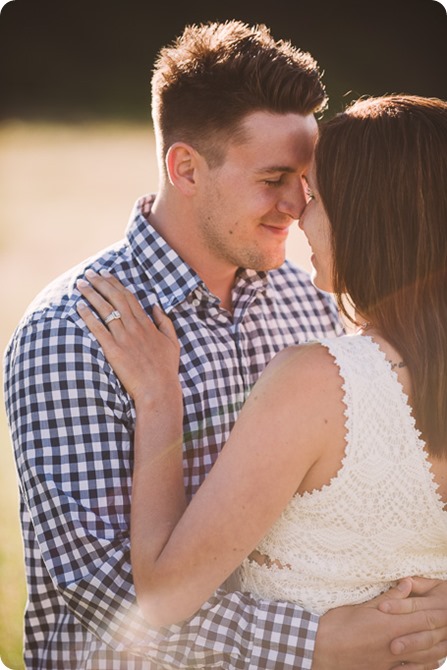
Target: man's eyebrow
{"x":275,"y":168}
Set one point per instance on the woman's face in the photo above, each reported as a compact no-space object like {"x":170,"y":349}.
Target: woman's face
{"x":315,"y":224}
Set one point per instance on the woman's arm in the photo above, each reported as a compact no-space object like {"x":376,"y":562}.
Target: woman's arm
{"x":145,"y":356}
{"x":180,"y":559}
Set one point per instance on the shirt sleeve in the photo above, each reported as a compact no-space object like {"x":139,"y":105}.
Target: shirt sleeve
{"x":72,"y":428}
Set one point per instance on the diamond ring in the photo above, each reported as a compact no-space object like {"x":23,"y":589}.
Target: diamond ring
{"x":112,"y":316}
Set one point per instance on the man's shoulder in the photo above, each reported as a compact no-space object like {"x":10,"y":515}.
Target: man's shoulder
{"x":57,"y":301}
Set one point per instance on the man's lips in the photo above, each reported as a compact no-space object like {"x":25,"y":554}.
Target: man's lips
{"x":281,"y":231}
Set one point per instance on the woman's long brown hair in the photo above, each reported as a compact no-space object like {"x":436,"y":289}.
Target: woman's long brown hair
{"x":382,"y":177}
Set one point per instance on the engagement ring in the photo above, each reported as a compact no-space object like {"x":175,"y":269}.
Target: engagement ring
{"x":113,"y":315}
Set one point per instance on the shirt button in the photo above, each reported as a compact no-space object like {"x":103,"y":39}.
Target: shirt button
{"x":196,"y":302}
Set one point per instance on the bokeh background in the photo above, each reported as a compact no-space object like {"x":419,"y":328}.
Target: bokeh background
{"x":76,"y":145}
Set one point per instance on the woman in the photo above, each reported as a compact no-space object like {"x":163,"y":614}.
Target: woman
{"x":333,"y":483}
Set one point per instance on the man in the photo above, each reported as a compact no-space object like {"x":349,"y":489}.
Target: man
{"x":234,"y":120}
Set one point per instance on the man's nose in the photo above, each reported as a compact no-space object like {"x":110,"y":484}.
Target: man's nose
{"x":293,"y":200}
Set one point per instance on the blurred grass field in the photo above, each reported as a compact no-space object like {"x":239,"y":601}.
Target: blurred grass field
{"x":66,"y":191}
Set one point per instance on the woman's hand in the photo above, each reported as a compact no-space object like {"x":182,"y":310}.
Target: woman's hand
{"x":143,"y":353}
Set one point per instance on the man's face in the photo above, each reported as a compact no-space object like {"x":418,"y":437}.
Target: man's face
{"x":246,"y":206}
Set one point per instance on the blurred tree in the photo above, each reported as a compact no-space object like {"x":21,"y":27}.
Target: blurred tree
{"x":93,"y":58}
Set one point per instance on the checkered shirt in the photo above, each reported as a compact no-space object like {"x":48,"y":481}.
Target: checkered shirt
{"x":72,"y":428}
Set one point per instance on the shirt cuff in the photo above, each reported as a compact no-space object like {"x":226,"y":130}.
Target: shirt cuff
{"x":284,"y":638}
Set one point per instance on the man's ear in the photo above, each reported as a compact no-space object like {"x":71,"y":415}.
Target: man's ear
{"x":182,"y":163}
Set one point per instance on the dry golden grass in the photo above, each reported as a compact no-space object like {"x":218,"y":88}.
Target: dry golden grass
{"x":65,"y":192}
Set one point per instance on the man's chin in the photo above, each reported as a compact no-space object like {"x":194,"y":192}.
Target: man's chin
{"x":271,"y":263}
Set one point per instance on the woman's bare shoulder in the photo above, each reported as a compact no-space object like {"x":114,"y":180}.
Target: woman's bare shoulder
{"x":311,"y":362}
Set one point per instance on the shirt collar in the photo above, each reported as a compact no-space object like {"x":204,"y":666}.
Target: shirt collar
{"x":170,"y":277}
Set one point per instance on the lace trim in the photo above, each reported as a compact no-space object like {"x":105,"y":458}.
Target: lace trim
{"x":337,"y":354}
{"x":412,"y":422}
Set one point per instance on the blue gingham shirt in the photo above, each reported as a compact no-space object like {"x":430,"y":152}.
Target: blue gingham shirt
{"x":72,"y":428}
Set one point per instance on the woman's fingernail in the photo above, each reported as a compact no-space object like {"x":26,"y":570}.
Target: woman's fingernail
{"x":403,"y":585}
{"x":82,"y":283}
{"x":90,"y":273}
{"x":81,"y":306}
{"x":398,"y":648}
{"x":105,"y":273}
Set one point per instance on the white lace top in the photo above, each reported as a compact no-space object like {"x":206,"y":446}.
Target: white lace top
{"x":380,"y":518}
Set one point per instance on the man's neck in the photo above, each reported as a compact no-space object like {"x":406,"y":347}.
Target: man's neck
{"x":217,"y":275}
